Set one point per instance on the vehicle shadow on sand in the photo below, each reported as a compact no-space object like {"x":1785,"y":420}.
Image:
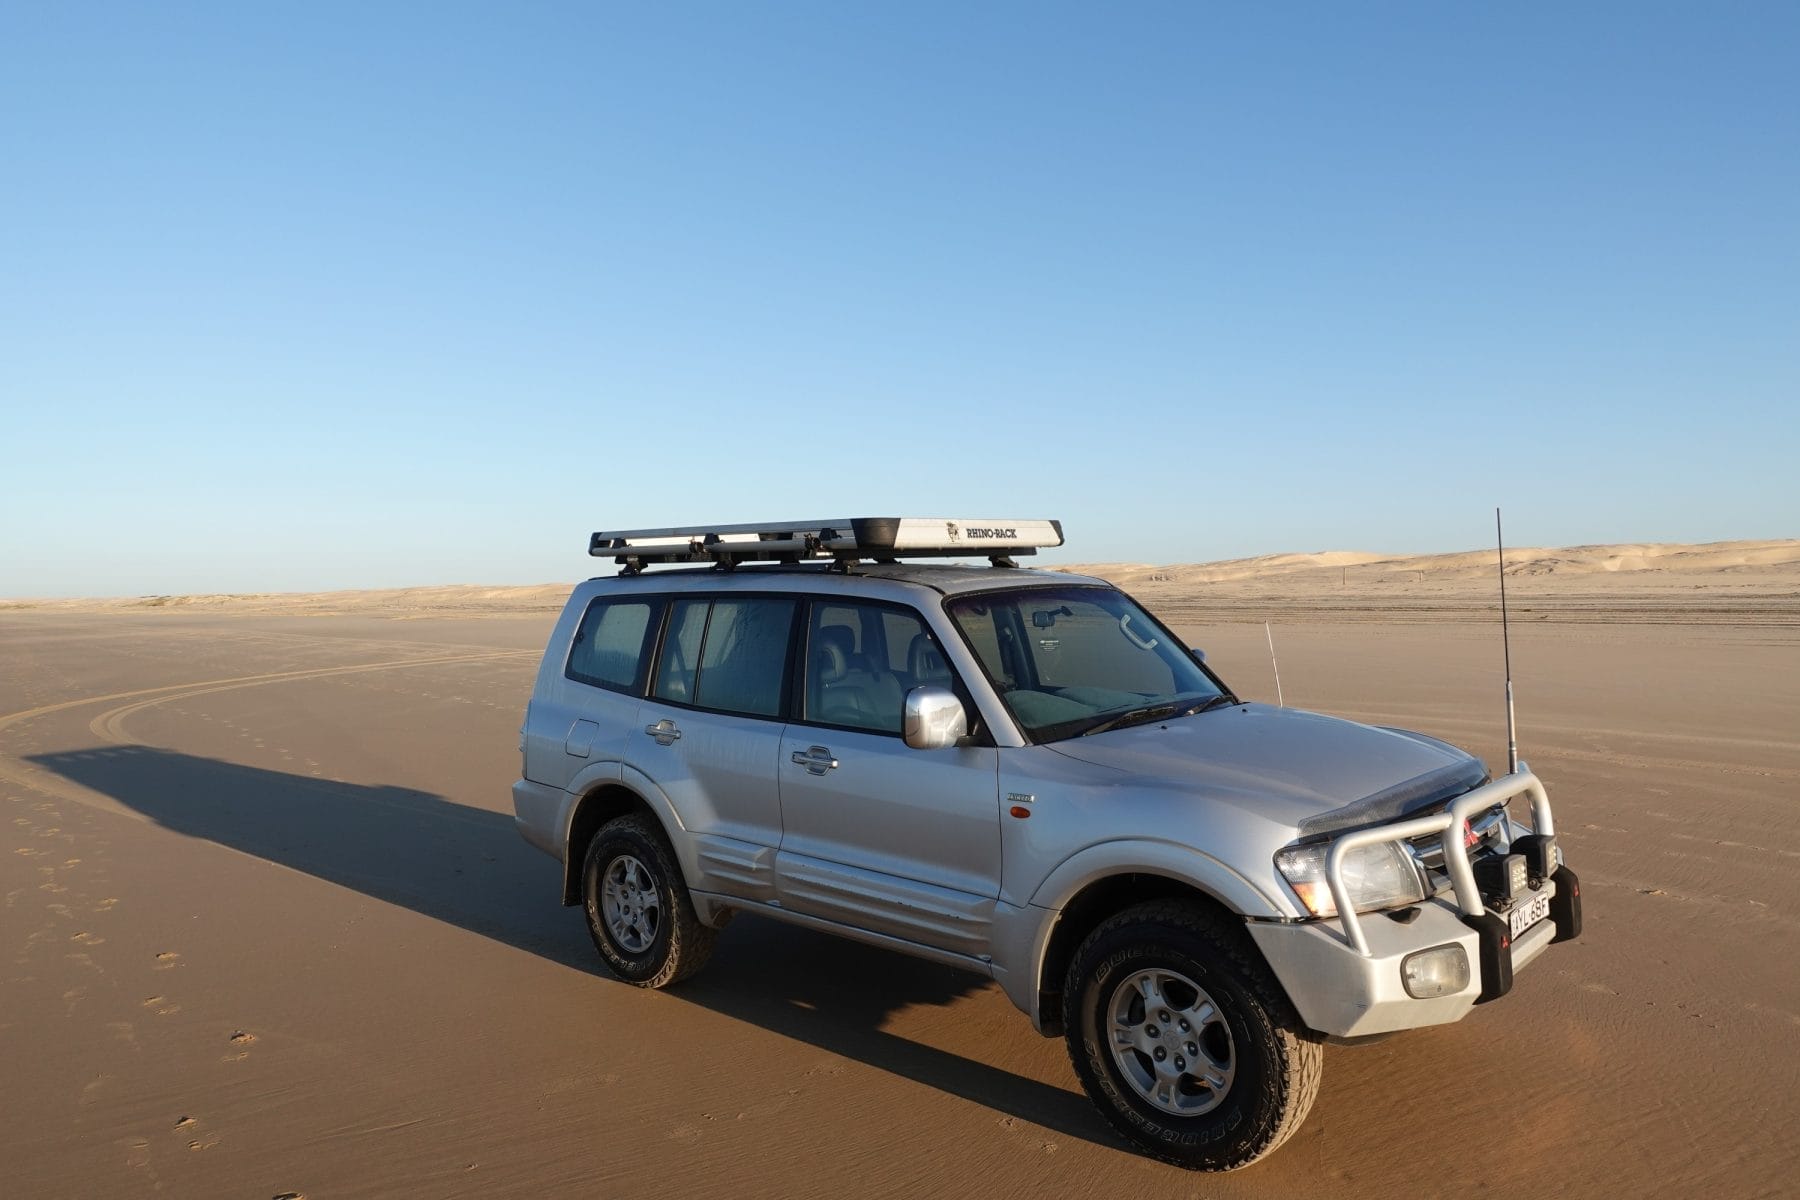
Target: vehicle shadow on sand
{"x":469,"y":867}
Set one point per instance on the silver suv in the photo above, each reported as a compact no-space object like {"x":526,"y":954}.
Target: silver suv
{"x":1023,"y":774}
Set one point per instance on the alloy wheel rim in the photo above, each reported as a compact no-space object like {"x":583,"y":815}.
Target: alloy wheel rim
{"x":630,"y":904}
{"x":1170,"y":1042}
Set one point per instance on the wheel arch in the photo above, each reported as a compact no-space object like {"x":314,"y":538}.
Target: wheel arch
{"x":1083,"y":913}
{"x":1104,"y":880}
{"x":598,"y":805}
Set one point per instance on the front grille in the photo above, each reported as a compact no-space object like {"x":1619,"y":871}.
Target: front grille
{"x":1491,"y":839}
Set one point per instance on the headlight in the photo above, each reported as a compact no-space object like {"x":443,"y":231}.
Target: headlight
{"x":1379,"y":875}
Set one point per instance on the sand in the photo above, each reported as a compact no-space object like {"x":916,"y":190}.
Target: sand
{"x":267,"y":927}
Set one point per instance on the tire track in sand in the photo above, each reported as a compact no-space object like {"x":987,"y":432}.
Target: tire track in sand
{"x":108,"y":725}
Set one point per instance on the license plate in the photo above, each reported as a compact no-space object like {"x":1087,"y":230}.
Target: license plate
{"x":1530,"y":913}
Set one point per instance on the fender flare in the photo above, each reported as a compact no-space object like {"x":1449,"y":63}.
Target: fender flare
{"x":614,"y":772}
{"x":1149,"y":856}
{"x":1126,"y":856}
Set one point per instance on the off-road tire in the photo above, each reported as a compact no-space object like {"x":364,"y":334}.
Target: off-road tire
{"x":681,"y":943}
{"x":1277,"y":1064}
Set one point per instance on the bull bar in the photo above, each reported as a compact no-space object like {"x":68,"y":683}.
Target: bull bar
{"x":1456,"y":855}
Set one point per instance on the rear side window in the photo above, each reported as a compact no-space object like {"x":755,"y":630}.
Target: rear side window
{"x":609,"y":649}
{"x":680,"y":665}
{"x":730,"y":654}
{"x":746,"y":654}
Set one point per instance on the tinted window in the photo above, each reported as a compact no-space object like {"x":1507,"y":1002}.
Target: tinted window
{"x":609,"y":646}
{"x":862,"y":660}
{"x":681,"y":651}
{"x":746,"y":653}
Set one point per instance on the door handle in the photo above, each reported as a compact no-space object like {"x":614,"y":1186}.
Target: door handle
{"x":663,"y":731}
{"x":817,"y":760}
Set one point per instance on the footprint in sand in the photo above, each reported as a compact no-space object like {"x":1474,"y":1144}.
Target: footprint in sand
{"x":160,"y":1006}
{"x":184,"y":1122}
{"x":240,"y":1038}
{"x":166,"y":959}
{"x":87,"y":939}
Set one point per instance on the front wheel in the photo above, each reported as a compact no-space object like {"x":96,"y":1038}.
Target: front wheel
{"x":1184,"y":1040}
{"x":638,"y":909}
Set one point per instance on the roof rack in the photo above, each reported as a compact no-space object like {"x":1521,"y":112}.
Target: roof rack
{"x":883,"y":539}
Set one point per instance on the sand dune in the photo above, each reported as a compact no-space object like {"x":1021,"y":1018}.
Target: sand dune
{"x":1756,"y":576}
{"x":1713,"y":583}
{"x":1327,"y":568}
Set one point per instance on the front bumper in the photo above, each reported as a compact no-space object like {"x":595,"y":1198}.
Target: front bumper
{"x":1342,"y":992}
{"x":1349,"y":983}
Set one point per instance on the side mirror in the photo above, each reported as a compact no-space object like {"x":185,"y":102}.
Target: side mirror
{"x":934,"y":718}
{"x":1198,"y":653}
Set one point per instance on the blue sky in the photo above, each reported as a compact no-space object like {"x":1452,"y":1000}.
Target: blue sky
{"x":310,"y":296}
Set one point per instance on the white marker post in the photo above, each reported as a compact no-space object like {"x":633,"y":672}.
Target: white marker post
{"x":1267,"y":632}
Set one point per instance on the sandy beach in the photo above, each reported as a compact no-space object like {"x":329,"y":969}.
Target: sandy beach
{"x":268,"y":929}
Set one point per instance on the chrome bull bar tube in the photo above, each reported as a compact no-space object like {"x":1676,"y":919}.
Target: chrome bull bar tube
{"x":1456,"y":855}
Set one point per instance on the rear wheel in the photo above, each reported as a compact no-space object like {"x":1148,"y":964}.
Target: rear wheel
{"x":1184,"y":1040}
{"x":638,"y":909}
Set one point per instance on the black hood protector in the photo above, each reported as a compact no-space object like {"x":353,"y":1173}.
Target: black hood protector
{"x":1421,"y":791}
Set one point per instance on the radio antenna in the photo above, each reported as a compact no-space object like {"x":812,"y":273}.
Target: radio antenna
{"x":1275,"y":665}
{"x":1512,"y":739}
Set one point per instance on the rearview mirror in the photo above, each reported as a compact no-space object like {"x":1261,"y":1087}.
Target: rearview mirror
{"x":934,"y":718}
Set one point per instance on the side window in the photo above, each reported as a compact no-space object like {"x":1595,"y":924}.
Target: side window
{"x":851,"y":681}
{"x":609,"y":647}
{"x":680,"y":659}
{"x":898,"y":630}
{"x":746,"y":654}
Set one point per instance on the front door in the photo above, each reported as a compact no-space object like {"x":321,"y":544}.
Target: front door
{"x":877,"y":835}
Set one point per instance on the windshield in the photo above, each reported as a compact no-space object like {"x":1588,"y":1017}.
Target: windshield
{"x":1077,"y":660}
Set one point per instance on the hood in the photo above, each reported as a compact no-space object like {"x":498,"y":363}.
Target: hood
{"x":1315,"y":773}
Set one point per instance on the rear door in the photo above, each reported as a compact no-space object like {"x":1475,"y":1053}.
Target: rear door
{"x":708,"y":734}
{"x":877,"y":835}
{"x":580,"y":718}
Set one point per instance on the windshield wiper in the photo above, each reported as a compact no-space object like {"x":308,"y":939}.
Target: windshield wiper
{"x":1223,"y":700}
{"x":1136,"y":716}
